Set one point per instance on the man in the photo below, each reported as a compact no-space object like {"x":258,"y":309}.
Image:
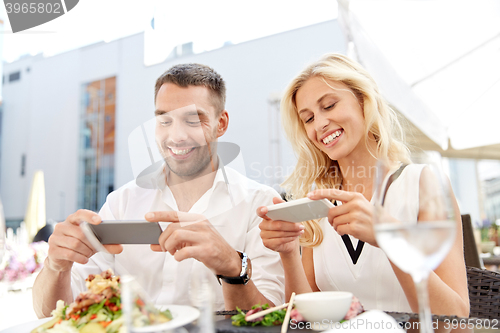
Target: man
{"x":212,"y":210}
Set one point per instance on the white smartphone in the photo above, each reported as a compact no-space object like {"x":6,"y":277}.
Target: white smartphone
{"x":300,"y":210}
{"x":122,"y":232}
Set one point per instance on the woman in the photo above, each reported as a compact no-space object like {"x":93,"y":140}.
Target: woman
{"x":339,"y":126}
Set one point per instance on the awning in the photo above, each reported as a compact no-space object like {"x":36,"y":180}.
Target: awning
{"x":438,"y":64}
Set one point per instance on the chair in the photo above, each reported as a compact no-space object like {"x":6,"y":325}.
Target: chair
{"x":44,"y":233}
{"x":484,"y":293}
{"x":470,"y":248}
{"x":484,"y":285}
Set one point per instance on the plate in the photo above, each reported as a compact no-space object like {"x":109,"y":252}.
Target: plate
{"x":182,"y":315}
{"x":25,"y":327}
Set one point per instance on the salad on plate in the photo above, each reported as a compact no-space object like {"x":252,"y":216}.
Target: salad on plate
{"x":99,"y":310}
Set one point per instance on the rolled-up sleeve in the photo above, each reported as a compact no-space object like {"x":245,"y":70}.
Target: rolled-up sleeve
{"x":268,"y":273}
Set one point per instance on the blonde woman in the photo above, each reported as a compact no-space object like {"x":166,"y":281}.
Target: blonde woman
{"x":339,"y":125}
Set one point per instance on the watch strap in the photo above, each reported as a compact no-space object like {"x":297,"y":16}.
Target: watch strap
{"x":243,"y":278}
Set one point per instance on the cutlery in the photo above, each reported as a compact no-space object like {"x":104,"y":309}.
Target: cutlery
{"x":264,"y":312}
{"x":284,"y":327}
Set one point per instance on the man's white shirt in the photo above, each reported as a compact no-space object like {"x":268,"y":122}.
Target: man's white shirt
{"x":231,"y":209}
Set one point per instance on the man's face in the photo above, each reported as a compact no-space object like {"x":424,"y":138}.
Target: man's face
{"x":186,"y":128}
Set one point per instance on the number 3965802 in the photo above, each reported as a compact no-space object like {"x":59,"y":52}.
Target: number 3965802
{"x":33,"y":7}
{"x":472,"y":323}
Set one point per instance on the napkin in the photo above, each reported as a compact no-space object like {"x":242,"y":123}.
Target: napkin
{"x":369,"y":321}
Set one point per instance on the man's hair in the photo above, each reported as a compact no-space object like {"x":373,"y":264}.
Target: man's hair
{"x":184,"y":75}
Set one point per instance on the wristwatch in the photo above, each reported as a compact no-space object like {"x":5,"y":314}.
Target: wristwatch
{"x":246,"y":271}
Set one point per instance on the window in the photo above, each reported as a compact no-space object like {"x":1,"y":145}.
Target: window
{"x":97,"y":143}
{"x":23,"y":165}
{"x":16,"y":76}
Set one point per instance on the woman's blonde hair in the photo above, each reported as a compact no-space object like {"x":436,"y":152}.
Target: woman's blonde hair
{"x":314,"y":168}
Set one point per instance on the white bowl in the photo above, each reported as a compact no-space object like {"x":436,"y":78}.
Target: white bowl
{"x":323,"y":306}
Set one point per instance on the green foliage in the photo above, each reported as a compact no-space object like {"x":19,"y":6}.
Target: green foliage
{"x":270,"y":319}
{"x":94,"y":308}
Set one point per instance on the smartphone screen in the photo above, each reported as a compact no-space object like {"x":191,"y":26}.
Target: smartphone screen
{"x":126,"y":232}
{"x":300,"y":210}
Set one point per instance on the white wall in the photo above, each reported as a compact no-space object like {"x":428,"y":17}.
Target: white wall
{"x":2,"y":26}
{"x":15,"y":138}
{"x":54,"y":129}
{"x":41,"y":111}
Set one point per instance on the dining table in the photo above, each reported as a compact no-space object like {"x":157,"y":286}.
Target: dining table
{"x":407,"y":321}
{"x":491,"y":260}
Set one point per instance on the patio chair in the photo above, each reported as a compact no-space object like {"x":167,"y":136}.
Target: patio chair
{"x":484,"y":293}
{"x":471,"y":254}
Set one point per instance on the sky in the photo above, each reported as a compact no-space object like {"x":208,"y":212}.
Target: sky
{"x":488,"y":169}
{"x":211,"y":25}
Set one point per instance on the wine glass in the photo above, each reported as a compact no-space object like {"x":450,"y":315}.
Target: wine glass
{"x":416,"y":247}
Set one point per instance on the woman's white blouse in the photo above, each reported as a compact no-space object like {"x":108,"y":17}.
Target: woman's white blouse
{"x":372,"y":279}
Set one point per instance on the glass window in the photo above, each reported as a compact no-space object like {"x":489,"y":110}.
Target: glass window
{"x":97,"y":143}
{"x":16,"y":76}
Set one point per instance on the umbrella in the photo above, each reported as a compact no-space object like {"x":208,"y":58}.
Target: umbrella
{"x":35,"y":218}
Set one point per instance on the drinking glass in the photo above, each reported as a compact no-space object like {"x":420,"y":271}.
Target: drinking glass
{"x":202,"y":296}
{"x":416,"y":247}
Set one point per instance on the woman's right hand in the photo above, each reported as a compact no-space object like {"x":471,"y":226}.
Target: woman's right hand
{"x":279,"y":236}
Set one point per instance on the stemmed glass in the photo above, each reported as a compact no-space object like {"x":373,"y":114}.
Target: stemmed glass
{"x":416,"y":247}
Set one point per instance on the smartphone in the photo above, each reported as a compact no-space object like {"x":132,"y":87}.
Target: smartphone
{"x":123,"y":232}
{"x":300,"y":210}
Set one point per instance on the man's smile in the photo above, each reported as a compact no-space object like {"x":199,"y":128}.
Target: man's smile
{"x":180,"y":153}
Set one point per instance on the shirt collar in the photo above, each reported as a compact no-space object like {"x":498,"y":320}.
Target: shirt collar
{"x":158,"y":180}
{"x":158,"y":176}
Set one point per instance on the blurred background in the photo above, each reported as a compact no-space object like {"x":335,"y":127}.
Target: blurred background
{"x":73,"y":89}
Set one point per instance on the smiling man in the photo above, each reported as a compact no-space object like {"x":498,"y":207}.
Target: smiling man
{"x":206,"y":210}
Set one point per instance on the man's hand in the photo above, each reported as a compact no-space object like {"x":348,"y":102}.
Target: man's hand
{"x":193,"y":236}
{"x":68,"y":244}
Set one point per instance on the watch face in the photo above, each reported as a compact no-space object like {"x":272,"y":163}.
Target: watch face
{"x":246,"y":275}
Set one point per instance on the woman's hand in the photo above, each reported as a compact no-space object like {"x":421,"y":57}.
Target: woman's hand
{"x":279,"y":236}
{"x":353,"y":217}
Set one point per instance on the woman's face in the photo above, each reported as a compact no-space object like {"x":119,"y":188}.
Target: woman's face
{"x":332,"y":117}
